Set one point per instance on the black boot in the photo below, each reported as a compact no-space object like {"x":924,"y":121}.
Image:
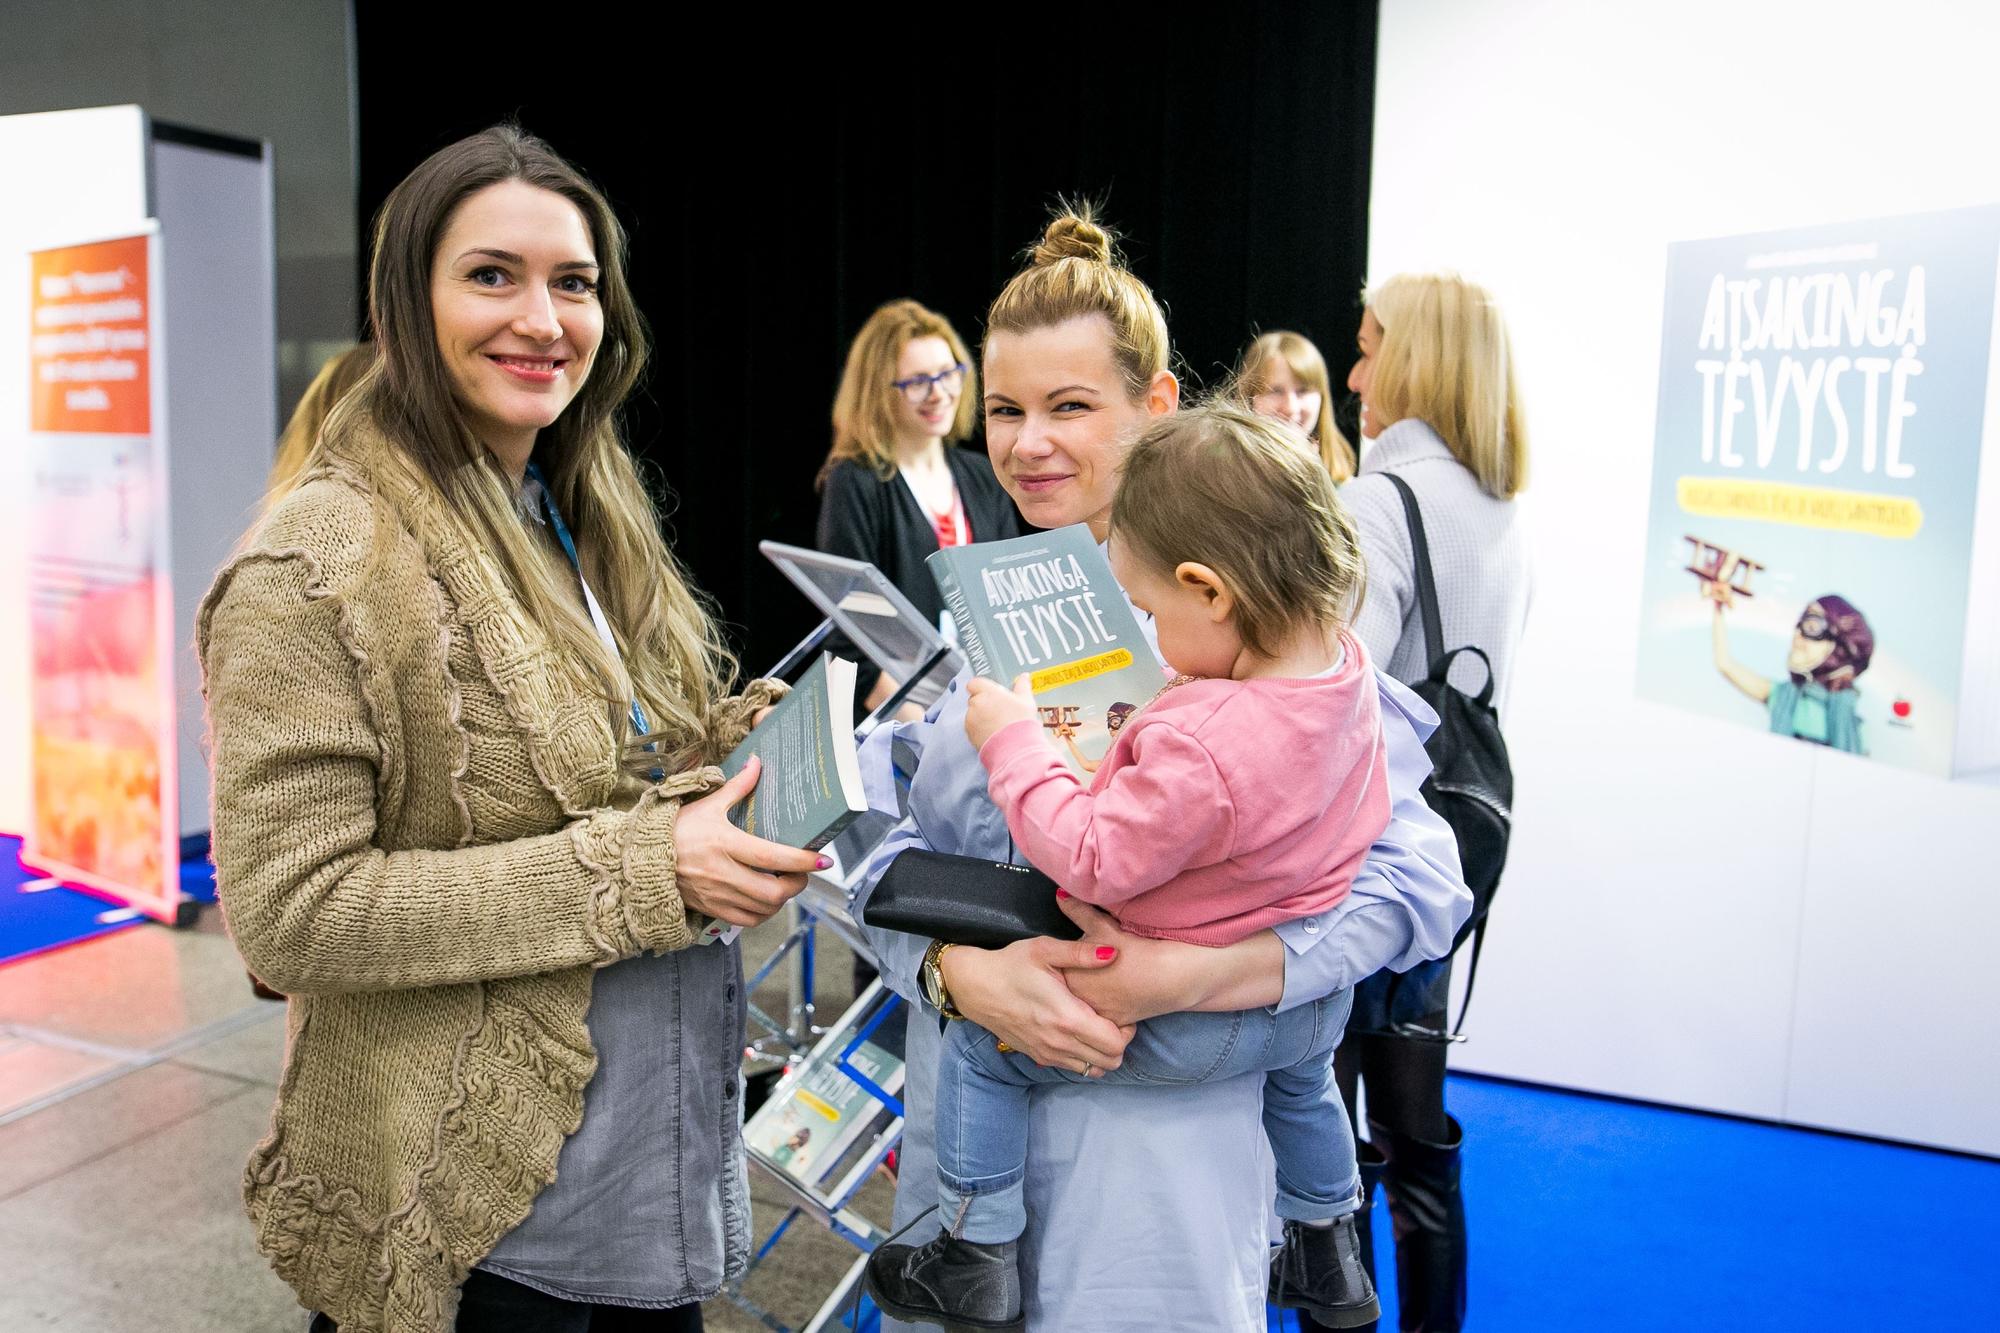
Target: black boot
{"x":956,"y":1284}
{"x":1369,"y":1158}
{"x":1429,"y":1216}
{"x":1319,"y":1271}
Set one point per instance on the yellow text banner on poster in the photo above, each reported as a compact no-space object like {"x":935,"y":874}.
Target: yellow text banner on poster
{"x":1893,"y":516}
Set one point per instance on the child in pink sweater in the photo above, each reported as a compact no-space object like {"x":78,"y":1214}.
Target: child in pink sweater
{"x":1245,"y":794}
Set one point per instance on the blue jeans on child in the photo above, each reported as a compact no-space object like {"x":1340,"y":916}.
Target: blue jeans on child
{"x":982,"y":1108}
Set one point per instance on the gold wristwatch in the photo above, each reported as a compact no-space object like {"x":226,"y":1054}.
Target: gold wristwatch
{"x":930,"y":977}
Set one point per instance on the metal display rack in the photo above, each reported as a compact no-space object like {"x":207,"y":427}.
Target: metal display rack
{"x":857,"y":599}
{"x":828,"y":1196}
{"x":860,"y":602}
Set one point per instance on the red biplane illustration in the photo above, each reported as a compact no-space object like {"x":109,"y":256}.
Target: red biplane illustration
{"x":1724,"y":574}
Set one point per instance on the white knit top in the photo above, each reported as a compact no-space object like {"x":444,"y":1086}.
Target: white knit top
{"x":1478,"y":552}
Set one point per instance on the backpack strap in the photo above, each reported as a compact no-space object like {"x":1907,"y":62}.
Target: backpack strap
{"x":1440,"y":667}
{"x":1471,"y":975}
{"x":1427,"y":593}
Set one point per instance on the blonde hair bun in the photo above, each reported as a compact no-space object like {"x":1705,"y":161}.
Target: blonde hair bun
{"x":1050,"y":291}
{"x":1074,"y":234}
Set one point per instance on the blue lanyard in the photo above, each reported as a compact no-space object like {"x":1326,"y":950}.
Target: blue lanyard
{"x":569,"y":549}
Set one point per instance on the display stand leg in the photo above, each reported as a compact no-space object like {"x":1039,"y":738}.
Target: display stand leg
{"x":833,"y":1314}
{"x":804,"y":1031}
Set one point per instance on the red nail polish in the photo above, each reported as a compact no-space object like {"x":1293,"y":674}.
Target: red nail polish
{"x":826,"y":863}
{"x":1062,"y":893}
{"x":1105,"y":953}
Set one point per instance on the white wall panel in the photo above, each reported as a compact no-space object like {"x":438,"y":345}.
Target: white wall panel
{"x":1695,"y":913}
{"x":222,"y":392}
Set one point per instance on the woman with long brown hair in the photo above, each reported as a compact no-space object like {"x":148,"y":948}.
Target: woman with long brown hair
{"x":340,"y":373}
{"x":463,"y":707}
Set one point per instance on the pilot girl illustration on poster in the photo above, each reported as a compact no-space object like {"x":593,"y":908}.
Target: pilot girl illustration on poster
{"x":1816,"y":699}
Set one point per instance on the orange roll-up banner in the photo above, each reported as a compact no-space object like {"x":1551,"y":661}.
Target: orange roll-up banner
{"x":100,"y":611}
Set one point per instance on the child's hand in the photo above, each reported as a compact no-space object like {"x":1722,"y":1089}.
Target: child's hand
{"x":991,"y":707}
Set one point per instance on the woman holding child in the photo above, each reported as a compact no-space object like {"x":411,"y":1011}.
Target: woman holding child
{"x":1149,"y":1205}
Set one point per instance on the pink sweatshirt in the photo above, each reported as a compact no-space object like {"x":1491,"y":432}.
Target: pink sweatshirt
{"x":1225,"y":807}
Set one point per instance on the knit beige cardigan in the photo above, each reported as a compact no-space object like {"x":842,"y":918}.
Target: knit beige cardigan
{"x":422,"y":836}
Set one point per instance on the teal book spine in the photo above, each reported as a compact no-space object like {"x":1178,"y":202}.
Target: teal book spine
{"x":810,"y":788}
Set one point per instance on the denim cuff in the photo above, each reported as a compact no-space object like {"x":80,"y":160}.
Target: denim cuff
{"x":986,"y":1214}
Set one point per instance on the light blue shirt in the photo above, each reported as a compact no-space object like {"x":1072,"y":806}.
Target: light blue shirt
{"x":1149,"y":1208}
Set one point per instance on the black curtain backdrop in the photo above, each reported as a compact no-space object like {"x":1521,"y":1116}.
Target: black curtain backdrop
{"x":781,"y":176}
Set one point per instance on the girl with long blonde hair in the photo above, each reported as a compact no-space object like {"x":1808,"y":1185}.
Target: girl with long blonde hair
{"x":1281,"y":375}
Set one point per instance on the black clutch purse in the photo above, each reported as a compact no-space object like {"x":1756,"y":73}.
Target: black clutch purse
{"x":966,"y":900}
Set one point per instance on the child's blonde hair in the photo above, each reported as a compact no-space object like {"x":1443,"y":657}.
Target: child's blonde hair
{"x":1226,"y":488}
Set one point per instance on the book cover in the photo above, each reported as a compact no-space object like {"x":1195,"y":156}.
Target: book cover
{"x":1809,"y":557}
{"x":810,"y":788}
{"x":809,"y":1128}
{"x":1046,"y":606}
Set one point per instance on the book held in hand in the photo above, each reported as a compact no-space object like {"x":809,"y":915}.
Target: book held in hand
{"x":1046,"y":606}
{"x":810,"y":788}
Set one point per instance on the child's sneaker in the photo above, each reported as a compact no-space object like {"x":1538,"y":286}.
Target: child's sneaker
{"x":953,"y":1283}
{"x":1319,"y":1271}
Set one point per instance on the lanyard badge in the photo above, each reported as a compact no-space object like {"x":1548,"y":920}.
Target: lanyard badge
{"x":597,"y":619}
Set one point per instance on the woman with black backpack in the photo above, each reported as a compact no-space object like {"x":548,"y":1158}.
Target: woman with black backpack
{"x":1444,"y":453}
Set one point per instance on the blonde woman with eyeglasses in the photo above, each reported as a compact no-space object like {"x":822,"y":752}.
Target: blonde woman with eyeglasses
{"x":894,"y":487}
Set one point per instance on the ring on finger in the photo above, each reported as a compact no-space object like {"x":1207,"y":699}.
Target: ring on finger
{"x":1087,"y":1068}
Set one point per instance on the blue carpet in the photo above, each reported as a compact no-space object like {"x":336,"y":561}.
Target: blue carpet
{"x":32,"y":923}
{"x":1590,"y":1214}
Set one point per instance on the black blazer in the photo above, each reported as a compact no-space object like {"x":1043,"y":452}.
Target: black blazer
{"x":864,"y":517}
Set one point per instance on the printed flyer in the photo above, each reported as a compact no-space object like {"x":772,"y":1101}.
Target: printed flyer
{"x":1815,"y":473}
{"x":101,"y":687}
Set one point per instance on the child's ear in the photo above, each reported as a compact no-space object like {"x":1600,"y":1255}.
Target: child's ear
{"x":1192,"y":574}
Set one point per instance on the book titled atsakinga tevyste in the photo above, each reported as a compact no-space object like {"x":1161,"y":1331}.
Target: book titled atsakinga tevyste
{"x":1046,"y":606}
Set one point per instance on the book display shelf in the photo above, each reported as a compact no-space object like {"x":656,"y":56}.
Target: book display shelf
{"x":835,"y":1112}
